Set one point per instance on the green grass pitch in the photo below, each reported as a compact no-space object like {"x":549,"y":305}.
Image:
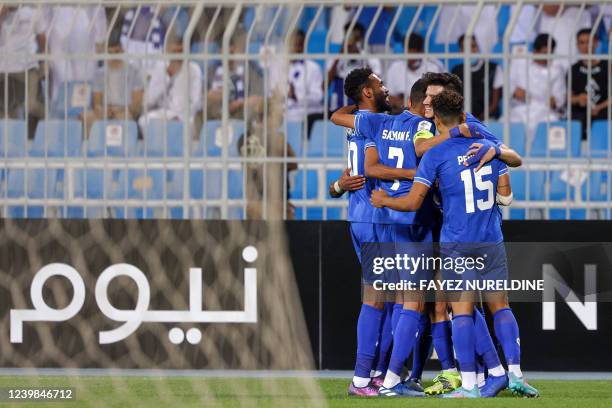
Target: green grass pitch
{"x":179,"y":392}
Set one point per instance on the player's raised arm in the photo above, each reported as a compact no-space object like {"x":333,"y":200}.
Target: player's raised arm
{"x":509,"y":156}
{"x":410,"y":202}
{"x":504,"y":153}
{"x":375,"y":169}
{"x":344,"y":116}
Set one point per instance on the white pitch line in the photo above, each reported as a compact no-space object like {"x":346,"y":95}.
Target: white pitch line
{"x":102,"y":372}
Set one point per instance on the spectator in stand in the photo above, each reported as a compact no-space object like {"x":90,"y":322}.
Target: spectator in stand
{"x":143,"y":34}
{"x":495,"y":83}
{"x":75,"y":30}
{"x":239,"y":96}
{"x":118,"y":88}
{"x":175,"y":87}
{"x":563,"y":23}
{"x":341,"y":67}
{"x":401,"y":75}
{"x":22,"y":34}
{"x":455,"y":19}
{"x":305,"y":88}
{"x":537,"y":86}
{"x":589,"y":80}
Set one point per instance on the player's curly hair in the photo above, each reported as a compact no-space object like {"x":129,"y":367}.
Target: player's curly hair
{"x":447,"y":80}
{"x":448,"y":106}
{"x":355,"y":81}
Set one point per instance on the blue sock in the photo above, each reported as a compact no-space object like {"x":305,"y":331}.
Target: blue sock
{"x":507,"y":332}
{"x":484,"y":343}
{"x":441,"y":336}
{"x":464,"y":340}
{"x":422,"y":347}
{"x":385,"y":340}
{"x":397,"y":309}
{"x":403,"y":339}
{"x":368,"y":331}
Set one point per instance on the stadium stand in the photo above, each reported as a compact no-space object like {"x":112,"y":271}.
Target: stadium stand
{"x":561,"y":176}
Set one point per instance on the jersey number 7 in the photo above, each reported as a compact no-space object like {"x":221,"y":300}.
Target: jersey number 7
{"x":399,"y":153}
{"x":482,"y":185}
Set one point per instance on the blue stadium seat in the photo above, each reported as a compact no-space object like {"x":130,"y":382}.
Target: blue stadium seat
{"x":599,"y":141}
{"x":31,"y":211}
{"x":314,"y":213}
{"x":599,"y":188}
{"x":334,"y":214}
{"x":518,"y":136}
{"x":16,"y":134}
{"x":213,"y":181}
{"x":155,"y":184}
{"x":295,"y":137}
{"x":211,"y":138}
{"x":164,"y":139}
{"x":174,"y":185}
{"x":311,"y":186}
{"x":86,"y":212}
{"x":235,"y":213}
{"x":113,"y":138}
{"x":41,"y":183}
{"x":133,"y":212}
{"x":537,"y":185}
{"x":94,"y":183}
{"x":503,"y":17}
{"x":72,"y":98}
{"x":518,"y":183}
{"x":573,"y":136}
{"x":562,"y":214}
{"x":140,"y":183}
{"x":57,"y":138}
{"x":517,"y":214}
{"x":559,"y":189}
{"x":336,"y":140}
{"x":196,"y":184}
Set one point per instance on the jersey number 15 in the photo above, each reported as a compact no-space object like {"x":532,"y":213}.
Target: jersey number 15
{"x":482,"y":185}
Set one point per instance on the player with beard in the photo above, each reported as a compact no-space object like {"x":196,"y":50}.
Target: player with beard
{"x":391,"y":144}
{"x":368,"y":90}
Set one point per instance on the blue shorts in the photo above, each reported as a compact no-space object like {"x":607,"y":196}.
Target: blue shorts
{"x":475,"y":262}
{"x":362,"y":233}
{"x":411,"y":240}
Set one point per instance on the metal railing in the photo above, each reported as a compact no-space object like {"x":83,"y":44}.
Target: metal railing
{"x":211,"y":72}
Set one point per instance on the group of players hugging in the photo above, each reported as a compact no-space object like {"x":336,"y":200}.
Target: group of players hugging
{"x":396,"y":165}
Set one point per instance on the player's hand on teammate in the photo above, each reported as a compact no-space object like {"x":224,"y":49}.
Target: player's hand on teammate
{"x":378,"y":198}
{"x":466,"y":130}
{"x":481,"y":153}
{"x":469,"y":131}
{"x":351,"y":183}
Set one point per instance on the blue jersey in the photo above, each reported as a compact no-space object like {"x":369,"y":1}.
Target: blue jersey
{"x":393,"y":137}
{"x":468,"y":198}
{"x":471,"y":119}
{"x":359,"y":207}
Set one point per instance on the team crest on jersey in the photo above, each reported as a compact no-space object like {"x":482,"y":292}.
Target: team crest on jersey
{"x":424,"y":125}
